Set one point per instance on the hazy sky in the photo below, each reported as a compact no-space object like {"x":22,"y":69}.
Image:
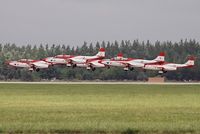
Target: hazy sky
{"x":74,"y":21}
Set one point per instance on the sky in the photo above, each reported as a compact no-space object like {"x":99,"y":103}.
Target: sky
{"x":72,"y":22}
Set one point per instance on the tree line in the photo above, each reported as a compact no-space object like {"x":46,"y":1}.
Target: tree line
{"x":175,"y":52}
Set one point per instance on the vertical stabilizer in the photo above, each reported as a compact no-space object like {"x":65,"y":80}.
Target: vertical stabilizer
{"x":190,"y":61}
{"x":160,"y":57}
{"x":101,"y":53}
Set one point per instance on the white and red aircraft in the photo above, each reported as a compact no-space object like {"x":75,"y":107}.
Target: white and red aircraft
{"x":58,"y":60}
{"x":102,"y":63}
{"x":131,"y":63}
{"x":164,"y":67}
{"x":31,"y":65}
{"x":81,"y":61}
{"x":75,"y":61}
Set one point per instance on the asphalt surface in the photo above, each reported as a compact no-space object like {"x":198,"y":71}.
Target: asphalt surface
{"x":101,"y":82}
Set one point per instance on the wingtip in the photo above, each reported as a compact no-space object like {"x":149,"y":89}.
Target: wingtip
{"x":45,"y":59}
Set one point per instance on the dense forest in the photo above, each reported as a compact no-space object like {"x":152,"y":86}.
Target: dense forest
{"x":175,"y":52}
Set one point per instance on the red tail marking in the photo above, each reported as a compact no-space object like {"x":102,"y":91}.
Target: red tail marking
{"x":120,"y":55}
{"x":162,"y":54}
{"x":102,"y":49}
{"x":191,"y":58}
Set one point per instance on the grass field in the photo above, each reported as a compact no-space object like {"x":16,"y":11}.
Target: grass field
{"x":48,"y":108}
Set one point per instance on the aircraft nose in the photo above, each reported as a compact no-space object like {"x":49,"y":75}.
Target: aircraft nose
{"x":45,"y":59}
{"x":7,"y":62}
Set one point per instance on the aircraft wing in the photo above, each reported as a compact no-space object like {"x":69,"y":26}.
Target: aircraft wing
{"x":95,"y":63}
{"x":135,"y":64}
{"x":76,"y":61}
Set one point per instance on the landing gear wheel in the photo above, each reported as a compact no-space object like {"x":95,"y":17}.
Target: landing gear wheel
{"x":93,"y":69}
{"x":131,"y":68}
{"x":161,"y":73}
{"x":37,"y":69}
{"x":125,"y":70}
{"x":88,"y":68}
{"x":74,"y":65}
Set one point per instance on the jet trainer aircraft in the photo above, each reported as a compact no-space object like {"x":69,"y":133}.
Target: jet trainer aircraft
{"x":81,"y":61}
{"x":75,"y":61}
{"x":131,"y":63}
{"x":31,"y":65}
{"x":118,"y":61}
{"x":164,"y":67}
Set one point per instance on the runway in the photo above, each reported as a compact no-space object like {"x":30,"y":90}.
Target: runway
{"x":101,"y":82}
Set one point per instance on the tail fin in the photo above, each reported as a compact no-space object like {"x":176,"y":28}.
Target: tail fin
{"x":101,"y":53}
{"x":120,"y":55}
{"x":190,"y":61}
{"x":160,"y":57}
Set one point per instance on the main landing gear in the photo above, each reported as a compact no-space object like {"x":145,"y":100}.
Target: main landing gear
{"x":161,"y":73}
{"x":128,"y":68}
{"x":91,"y":68}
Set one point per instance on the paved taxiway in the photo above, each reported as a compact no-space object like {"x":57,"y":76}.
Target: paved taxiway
{"x":110,"y":82}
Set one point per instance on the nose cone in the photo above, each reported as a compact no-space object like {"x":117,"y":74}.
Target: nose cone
{"x":45,"y":59}
{"x":48,"y":59}
{"x":105,"y":62}
{"x":45,"y":62}
{"x":7,"y":62}
{"x":11,"y":63}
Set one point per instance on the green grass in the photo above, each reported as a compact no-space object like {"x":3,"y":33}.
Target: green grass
{"x":26,"y":108}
